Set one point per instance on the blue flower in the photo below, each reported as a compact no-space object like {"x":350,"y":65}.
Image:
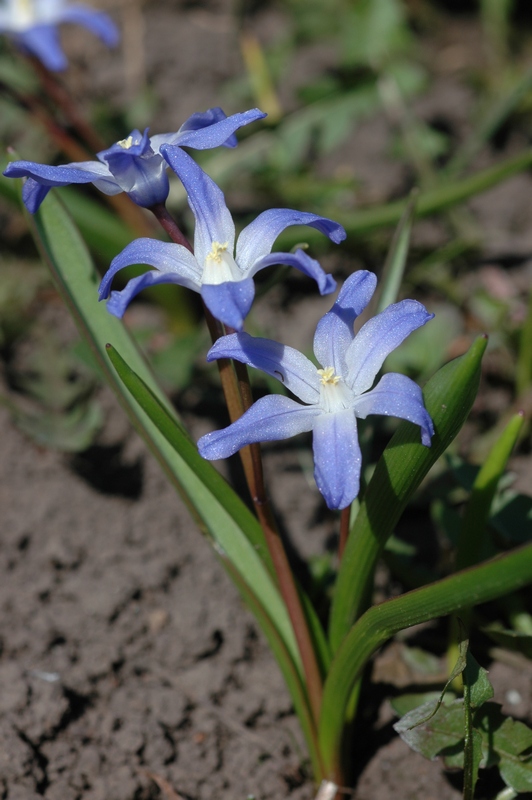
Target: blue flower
{"x":135,"y":164}
{"x":336,"y":394}
{"x":223,"y":276}
{"x":33,"y":25}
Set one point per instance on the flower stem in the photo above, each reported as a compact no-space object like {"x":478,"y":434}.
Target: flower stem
{"x":171,"y":227}
{"x":238,"y":396}
{"x":62,"y":98}
{"x":345,"y":516}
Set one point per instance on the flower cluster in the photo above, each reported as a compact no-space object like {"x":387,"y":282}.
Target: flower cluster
{"x":335,"y":394}
{"x":33,"y":24}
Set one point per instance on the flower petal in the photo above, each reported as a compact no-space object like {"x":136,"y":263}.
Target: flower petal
{"x":33,"y":194}
{"x":119,"y":301}
{"x":270,"y":418}
{"x":230,"y":301}
{"x":137,"y":169}
{"x":209,"y":129}
{"x":43,"y":41}
{"x":170,"y":259}
{"x":378,"y":337}
{"x":98,"y":23}
{"x":213,"y":220}
{"x":77,"y":172}
{"x":335,"y":332}
{"x":288,"y":365}
{"x":397,"y":396}
{"x":337,"y":458}
{"x":46,"y":177}
{"x":257,"y":239}
{"x":301,"y":261}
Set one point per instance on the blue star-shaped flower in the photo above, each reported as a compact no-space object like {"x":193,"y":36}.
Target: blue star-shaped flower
{"x":223,"y":275}
{"x":335,"y":394}
{"x":136,"y":165}
{"x":33,"y":24}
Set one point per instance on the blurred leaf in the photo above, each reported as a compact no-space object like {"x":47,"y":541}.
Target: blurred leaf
{"x":395,"y":264}
{"x":506,"y":743}
{"x":421,"y":661}
{"x":399,"y":547}
{"x":523,"y":378}
{"x":512,"y":516}
{"x":70,"y":431}
{"x":20,"y":282}
{"x":405,"y":703}
{"x":447,"y":519}
{"x":373,"y":31}
{"x":62,"y":413}
{"x":476,"y":513}
{"x":511,"y":640}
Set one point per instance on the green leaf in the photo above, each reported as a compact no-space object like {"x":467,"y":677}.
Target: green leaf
{"x":476,"y":678}
{"x":516,"y":773}
{"x":488,"y":581}
{"x":498,"y":110}
{"x":448,"y":396}
{"x":69,"y":431}
{"x":478,"y":508}
{"x":429,"y":733}
{"x":394,"y":266}
{"x":507,"y":743}
{"x":512,"y":516}
{"x":511,"y":640}
{"x":404,"y":703}
{"x":429,"y":202}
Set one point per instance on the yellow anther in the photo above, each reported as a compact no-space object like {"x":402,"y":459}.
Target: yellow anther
{"x":126,"y":143}
{"x":327,"y":376}
{"x":216,"y":251}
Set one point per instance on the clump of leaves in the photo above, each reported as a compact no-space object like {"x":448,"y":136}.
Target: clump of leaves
{"x":469,"y":733}
{"x":54,"y":400}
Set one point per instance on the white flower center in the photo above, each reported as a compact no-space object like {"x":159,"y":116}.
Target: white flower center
{"x":334,"y":394}
{"x":220,"y":266}
{"x":126,"y":144}
{"x":22,"y":14}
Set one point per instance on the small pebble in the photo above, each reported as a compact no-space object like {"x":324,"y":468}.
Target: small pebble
{"x":513,"y":697}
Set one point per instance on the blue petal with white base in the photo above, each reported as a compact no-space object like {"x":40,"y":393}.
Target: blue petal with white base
{"x":225,"y":280}
{"x":332,"y":392}
{"x":33,"y":24}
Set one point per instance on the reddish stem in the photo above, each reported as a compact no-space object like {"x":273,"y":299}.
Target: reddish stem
{"x":61,"y":98}
{"x":171,"y":227}
{"x":345,"y":516}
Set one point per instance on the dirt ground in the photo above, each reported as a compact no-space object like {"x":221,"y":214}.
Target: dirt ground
{"x":129,"y":668}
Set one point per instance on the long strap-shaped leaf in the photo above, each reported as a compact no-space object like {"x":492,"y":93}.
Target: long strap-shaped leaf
{"x":493,"y":579}
{"x":221,"y":515}
{"x":448,"y":397}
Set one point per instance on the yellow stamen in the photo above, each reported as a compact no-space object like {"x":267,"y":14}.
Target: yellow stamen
{"x":328,"y":376}
{"x":216,"y":251}
{"x":126,"y":143}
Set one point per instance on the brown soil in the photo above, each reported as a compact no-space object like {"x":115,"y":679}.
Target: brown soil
{"x":129,"y":668}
